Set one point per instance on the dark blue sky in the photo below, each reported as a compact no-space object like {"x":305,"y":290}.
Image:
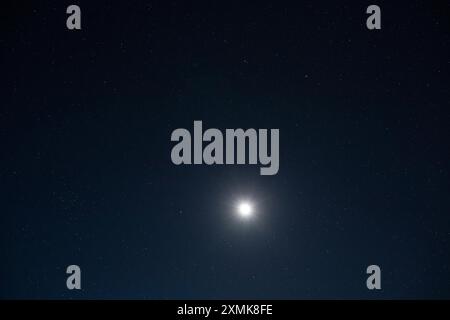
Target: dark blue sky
{"x":86,"y":175}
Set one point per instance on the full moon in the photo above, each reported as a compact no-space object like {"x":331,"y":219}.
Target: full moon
{"x":245,"y":209}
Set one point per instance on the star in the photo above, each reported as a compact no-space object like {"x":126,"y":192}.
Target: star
{"x":245,"y":210}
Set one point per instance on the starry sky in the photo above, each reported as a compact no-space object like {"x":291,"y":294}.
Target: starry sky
{"x":87,"y":179}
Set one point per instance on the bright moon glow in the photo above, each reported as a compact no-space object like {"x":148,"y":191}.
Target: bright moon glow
{"x":245,"y":210}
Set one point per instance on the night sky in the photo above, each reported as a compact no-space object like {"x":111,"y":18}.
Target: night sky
{"x":86,"y":176}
